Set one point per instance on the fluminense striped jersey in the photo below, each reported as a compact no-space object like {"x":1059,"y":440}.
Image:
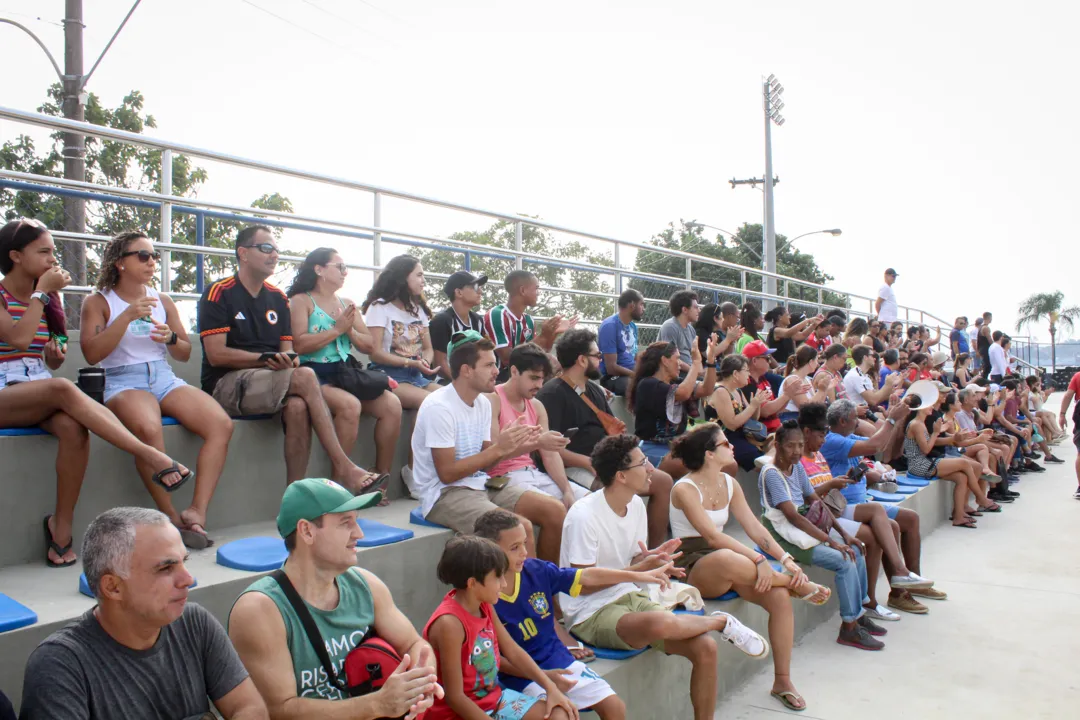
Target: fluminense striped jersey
{"x":506,"y":329}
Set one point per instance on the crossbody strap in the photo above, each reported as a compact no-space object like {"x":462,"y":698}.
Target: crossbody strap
{"x":310,"y":628}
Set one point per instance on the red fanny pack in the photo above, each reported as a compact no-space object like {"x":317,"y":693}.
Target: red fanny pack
{"x":369,"y":664}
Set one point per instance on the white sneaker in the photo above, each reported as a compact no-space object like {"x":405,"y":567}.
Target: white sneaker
{"x":911,"y":581}
{"x":880,"y":612}
{"x":406,"y":477}
{"x":743,"y":637}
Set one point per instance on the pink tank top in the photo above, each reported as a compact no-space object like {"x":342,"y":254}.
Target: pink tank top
{"x":507,"y":415}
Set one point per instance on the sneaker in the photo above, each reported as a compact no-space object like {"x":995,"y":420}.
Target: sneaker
{"x":1012,"y":493}
{"x":858,"y":637}
{"x":1053,"y":459}
{"x":743,"y":637}
{"x":932,"y":593}
{"x":904,"y":602}
{"x":407,"y":478}
{"x":871,"y":627}
{"x":1077,"y":494}
{"x":911,"y":580}
{"x":880,"y":612}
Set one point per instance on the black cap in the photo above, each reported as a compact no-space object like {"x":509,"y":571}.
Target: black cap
{"x":890,"y":271}
{"x":462,"y":279}
{"x":836,"y":320}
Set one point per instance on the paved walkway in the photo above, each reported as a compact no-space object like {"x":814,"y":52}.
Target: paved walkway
{"x":1006,"y":644}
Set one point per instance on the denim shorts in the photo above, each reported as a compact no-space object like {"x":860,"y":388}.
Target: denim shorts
{"x":22,"y":370}
{"x":655,"y":451}
{"x":410,"y":376}
{"x":156,"y":378}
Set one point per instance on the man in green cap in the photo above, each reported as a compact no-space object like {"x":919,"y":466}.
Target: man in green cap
{"x":318,"y":521}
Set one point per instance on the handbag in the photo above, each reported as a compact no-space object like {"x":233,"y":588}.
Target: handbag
{"x":612,"y":425}
{"x":367,"y":666}
{"x":796,"y":536}
{"x":755,"y":430}
{"x":836,"y":502}
{"x":818,"y":514}
{"x":362,"y":384}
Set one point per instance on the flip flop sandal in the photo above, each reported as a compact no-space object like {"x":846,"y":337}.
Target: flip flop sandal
{"x":806,"y":598}
{"x":184,"y":477}
{"x":193,"y":539}
{"x":587,"y":659}
{"x":970,"y":525}
{"x":378,"y":485}
{"x":51,"y":544}
{"x":786,"y":698}
{"x":993,"y":507}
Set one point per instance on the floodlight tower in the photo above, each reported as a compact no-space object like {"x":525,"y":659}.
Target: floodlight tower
{"x":771,"y":90}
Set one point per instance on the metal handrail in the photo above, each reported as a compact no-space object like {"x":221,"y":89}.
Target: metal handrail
{"x":167,"y":201}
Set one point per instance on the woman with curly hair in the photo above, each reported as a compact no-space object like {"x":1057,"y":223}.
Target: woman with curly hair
{"x":397,"y":317}
{"x":325,"y":328}
{"x":33,"y":342}
{"x":130,"y":329}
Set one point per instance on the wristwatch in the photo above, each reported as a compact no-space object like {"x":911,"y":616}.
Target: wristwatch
{"x":173,"y":339}
{"x":892,"y":421}
{"x":42,"y":296}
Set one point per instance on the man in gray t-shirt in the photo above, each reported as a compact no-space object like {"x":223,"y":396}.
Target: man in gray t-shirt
{"x":143,"y":651}
{"x":679,"y":328}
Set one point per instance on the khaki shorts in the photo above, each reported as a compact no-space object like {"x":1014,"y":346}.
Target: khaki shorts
{"x":254,"y":391}
{"x":459,"y":507}
{"x":599,"y":629}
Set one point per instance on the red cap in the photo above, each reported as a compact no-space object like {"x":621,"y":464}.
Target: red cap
{"x":757,"y":349}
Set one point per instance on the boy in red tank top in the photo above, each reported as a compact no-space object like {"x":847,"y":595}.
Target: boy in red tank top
{"x":468,"y":640}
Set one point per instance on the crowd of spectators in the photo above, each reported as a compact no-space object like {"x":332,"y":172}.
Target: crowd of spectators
{"x":570,"y":531}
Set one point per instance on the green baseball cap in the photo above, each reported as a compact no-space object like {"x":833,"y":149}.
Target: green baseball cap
{"x":314,"y":497}
{"x":460,"y":338}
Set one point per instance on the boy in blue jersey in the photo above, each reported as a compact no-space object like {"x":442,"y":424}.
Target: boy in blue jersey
{"x":526,"y":610}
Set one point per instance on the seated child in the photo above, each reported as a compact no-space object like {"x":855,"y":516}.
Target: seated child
{"x":468,"y":642}
{"x":526,"y":609}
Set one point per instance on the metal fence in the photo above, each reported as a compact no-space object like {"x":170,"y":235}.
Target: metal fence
{"x":379,"y":235}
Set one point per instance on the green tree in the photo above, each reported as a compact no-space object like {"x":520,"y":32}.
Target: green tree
{"x":120,"y":165}
{"x":1048,"y":307}
{"x":533,"y":240}
{"x":690,"y":237}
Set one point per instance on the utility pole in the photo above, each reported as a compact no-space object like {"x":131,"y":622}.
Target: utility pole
{"x":74,"y":108}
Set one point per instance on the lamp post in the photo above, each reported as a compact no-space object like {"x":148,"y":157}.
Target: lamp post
{"x":771,"y":90}
{"x":835,"y":232}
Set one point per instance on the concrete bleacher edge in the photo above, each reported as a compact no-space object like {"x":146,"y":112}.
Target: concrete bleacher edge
{"x":246,"y":503}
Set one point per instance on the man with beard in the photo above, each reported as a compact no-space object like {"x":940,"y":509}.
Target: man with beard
{"x":618,"y":341}
{"x":514,"y":402}
{"x":452,"y":445}
{"x":578,"y":409}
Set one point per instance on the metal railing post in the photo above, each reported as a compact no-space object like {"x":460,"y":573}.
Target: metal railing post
{"x":820,"y":301}
{"x":165,"y":235}
{"x":376,"y":221}
{"x":689,"y":273}
{"x":200,"y":259}
{"x":618,"y":268}
{"x":742,"y":284}
{"x":518,"y":243}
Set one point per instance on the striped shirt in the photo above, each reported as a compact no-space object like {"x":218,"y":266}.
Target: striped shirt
{"x":506,"y":329}
{"x":16,"y":308}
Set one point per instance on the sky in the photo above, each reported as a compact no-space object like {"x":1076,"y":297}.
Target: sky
{"x":933,"y":134}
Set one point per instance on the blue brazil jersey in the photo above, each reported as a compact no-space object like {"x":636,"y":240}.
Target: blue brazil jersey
{"x":528,"y":615}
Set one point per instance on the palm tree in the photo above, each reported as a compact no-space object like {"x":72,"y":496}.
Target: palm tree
{"x":1048,"y":305}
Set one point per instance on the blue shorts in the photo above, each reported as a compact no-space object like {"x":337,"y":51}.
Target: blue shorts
{"x":655,"y":451}
{"x":156,"y":378}
{"x":892,"y":511}
{"x":409,"y":376}
{"x":849,"y":512}
{"x":513,"y":705}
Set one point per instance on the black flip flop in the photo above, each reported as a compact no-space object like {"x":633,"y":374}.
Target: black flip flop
{"x":184,"y":477}
{"x":377,"y":485}
{"x":994,"y":509}
{"x":970,"y":525}
{"x":50,"y":544}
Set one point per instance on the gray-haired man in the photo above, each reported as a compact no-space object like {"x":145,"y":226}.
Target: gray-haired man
{"x":143,"y":651}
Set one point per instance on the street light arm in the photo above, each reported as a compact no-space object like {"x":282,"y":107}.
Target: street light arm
{"x":29,"y":32}
{"x":834,"y":232}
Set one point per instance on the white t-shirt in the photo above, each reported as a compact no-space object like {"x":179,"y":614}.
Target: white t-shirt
{"x":594,"y":535}
{"x":403,"y":333}
{"x":888,"y":307}
{"x":999,"y":363}
{"x":444,"y":421}
{"x":855,"y":384}
{"x":973,"y":334}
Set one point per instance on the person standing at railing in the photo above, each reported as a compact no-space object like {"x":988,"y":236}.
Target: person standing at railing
{"x":465,"y":292}
{"x":510,"y":325}
{"x":1071,"y":394}
{"x":618,"y":342}
{"x":130,"y":329}
{"x":679,"y":328}
{"x":885,"y":306}
{"x":983,"y":343}
{"x":325,"y":329}
{"x":33,"y":342}
{"x":250,"y":368}
{"x":973,"y":332}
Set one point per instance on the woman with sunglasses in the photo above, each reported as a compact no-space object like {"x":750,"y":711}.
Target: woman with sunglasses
{"x":702,"y":502}
{"x":325,"y":329}
{"x":131,"y":330}
{"x":32,"y":342}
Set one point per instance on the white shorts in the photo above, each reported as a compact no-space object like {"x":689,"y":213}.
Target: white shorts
{"x":850,"y":526}
{"x":533,"y":478}
{"x":589,"y":690}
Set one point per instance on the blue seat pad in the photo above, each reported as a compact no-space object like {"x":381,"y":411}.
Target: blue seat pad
{"x":609,"y":654}
{"x":376,"y":533}
{"x":911,"y":481}
{"x":256,"y":554}
{"x":16,"y":432}
{"x":14,"y":615}
{"x":417,"y":519}
{"x":884,"y":496}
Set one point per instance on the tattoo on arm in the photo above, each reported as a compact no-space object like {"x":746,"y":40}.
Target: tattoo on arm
{"x":98,"y":329}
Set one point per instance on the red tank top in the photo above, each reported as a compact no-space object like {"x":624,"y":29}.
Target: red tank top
{"x":507,"y":415}
{"x":479,"y":658}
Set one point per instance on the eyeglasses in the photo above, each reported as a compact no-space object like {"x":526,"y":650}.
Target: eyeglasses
{"x":595,"y":356}
{"x":342,"y":267}
{"x":144,"y":255}
{"x":643,"y":463}
{"x":264,"y":248}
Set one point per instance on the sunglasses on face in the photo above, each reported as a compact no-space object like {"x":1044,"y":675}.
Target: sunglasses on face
{"x":342,"y":267}
{"x":264,"y":248}
{"x":144,"y":255}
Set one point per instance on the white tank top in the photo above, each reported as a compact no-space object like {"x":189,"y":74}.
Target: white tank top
{"x":681,"y":527}
{"x":809,"y":385}
{"x":136,"y":346}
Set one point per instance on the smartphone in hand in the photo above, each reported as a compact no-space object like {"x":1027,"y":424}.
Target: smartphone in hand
{"x":268,"y":355}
